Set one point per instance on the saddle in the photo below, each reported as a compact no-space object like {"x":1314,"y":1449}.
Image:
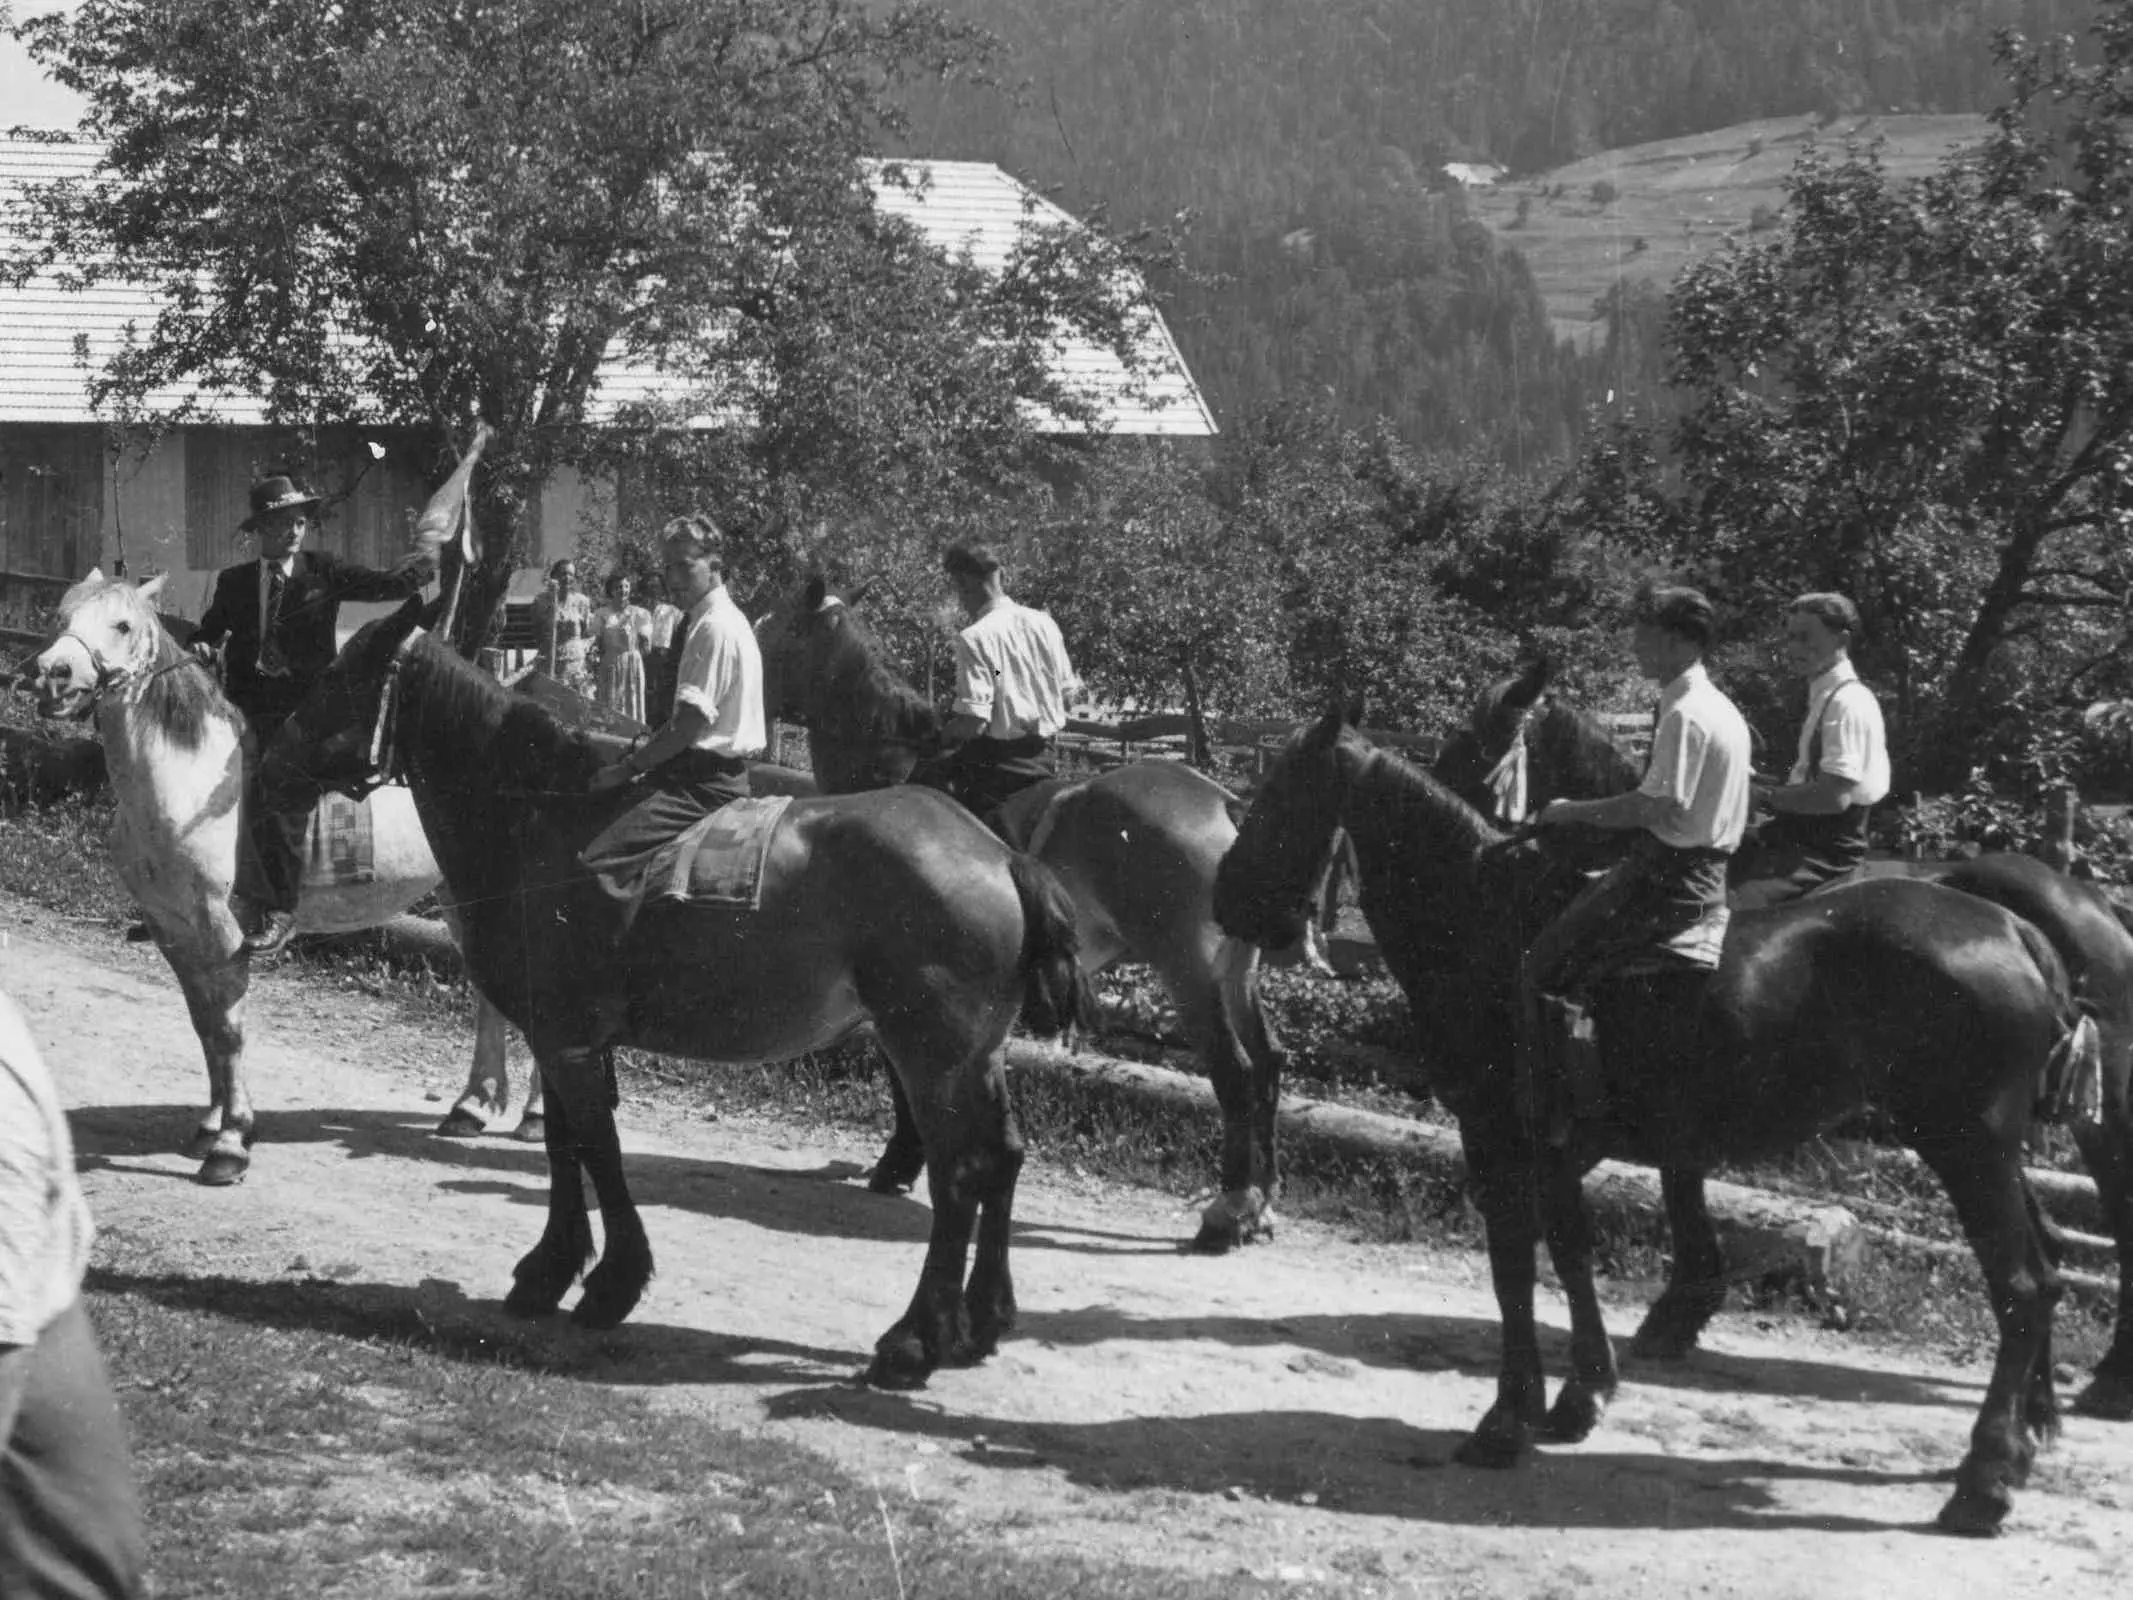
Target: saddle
{"x":718,"y":859}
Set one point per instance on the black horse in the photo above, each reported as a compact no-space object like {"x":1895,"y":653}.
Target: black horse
{"x":1937,"y":1009}
{"x":1566,"y":752}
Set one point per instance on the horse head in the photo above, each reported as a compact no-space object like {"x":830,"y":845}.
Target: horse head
{"x":334,"y":736}
{"x":1484,"y":763}
{"x":823,"y":668}
{"x":108,"y":634}
{"x":1265,"y":884}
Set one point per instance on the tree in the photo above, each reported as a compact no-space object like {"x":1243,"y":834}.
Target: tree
{"x":1919,"y":392}
{"x":429,"y":211}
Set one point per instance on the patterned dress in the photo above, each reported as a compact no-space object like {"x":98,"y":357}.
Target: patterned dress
{"x":564,"y":630}
{"x":621,"y":636}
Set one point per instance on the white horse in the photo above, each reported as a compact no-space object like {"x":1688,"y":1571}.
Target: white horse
{"x":174,"y":747}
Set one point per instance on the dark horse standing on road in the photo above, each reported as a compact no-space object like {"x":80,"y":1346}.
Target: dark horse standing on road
{"x":1566,"y":752}
{"x":1136,"y":847}
{"x":1937,"y":1008}
{"x":895,"y":906}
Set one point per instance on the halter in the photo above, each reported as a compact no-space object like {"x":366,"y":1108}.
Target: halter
{"x":384,"y":733}
{"x":109,"y":677}
{"x":1507,"y":780}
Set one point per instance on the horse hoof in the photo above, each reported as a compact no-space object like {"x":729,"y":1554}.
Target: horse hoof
{"x":531,"y":1130}
{"x":461,"y":1124}
{"x":897,"y":1170}
{"x":609,"y":1297}
{"x":202,"y":1143}
{"x":533,"y":1299}
{"x":1498,"y":1443}
{"x":1974,"y":1514}
{"x":2108,"y":1397}
{"x":900,"y":1362}
{"x":1216,"y":1237}
{"x":1659,"y":1341}
{"x":1576,"y":1412}
{"x":223,"y":1169}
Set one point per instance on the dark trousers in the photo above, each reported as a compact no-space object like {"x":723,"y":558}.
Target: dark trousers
{"x":1652,"y":894}
{"x":70,"y":1519}
{"x":985,"y":773}
{"x":277,"y":815}
{"x":1794,"y":853}
{"x":678,"y":792}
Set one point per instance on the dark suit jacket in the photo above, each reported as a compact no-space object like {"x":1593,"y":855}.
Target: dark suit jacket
{"x":303,"y":626}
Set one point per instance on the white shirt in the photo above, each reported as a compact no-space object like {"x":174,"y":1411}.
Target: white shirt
{"x":1855,"y":744}
{"x":1701,"y":760}
{"x":721,"y":674}
{"x":44,"y":1222}
{"x":1012,"y":672}
{"x":666,"y":617}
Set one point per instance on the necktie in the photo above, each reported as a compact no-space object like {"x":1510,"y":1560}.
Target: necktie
{"x":272,"y":663}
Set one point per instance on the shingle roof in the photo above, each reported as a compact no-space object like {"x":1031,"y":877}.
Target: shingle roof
{"x":46,"y":330}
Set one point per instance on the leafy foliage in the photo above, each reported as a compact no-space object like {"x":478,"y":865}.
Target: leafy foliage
{"x":1917,"y":393}
{"x":424,"y":211}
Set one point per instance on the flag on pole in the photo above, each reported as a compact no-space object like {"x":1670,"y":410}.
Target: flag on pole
{"x":448,"y":517}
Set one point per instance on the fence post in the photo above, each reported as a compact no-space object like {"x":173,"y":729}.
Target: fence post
{"x":2056,"y":848}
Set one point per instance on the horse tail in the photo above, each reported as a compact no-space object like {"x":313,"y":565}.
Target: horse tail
{"x":2071,"y":1088}
{"x":1055,"y":999}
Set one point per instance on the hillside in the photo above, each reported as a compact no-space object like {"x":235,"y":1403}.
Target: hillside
{"x":1675,"y":199}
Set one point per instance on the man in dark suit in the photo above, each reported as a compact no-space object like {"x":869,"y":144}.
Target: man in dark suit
{"x":273,"y":621}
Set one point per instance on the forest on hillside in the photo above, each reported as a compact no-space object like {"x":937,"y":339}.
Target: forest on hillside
{"x":1328,"y":258}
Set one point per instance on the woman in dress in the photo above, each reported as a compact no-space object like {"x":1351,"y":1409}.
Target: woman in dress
{"x":621,"y":634}
{"x":562,"y":622}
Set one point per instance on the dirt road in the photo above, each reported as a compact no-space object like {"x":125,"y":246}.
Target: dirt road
{"x":1288,"y":1411}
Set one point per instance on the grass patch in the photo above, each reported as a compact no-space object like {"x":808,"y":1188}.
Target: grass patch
{"x":304,"y":1438}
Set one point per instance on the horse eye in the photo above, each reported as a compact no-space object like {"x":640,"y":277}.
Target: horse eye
{"x":125,"y":627}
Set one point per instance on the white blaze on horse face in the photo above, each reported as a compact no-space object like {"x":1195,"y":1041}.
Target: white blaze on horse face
{"x":108,"y":630}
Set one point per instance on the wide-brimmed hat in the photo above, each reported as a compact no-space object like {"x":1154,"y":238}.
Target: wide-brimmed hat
{"x":275,"y":494}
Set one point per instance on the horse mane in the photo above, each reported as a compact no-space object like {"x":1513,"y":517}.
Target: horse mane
{"x":867,"y":697}
{"x":527,"y":747}
{"x":1414,"y":804}
{"x":1572,"y":754}
{"x":181,"y":696}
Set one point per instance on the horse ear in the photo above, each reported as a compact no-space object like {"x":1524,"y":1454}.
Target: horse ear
{"x":153,"y":587}
{"x":860,"y":590}
{"x":814,"y":594}
{"x":96,"y":575}
{"x":1530,"y":684}
{"x":1352,"y":711}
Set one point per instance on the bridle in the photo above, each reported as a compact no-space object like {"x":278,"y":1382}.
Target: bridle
{"x":109,"y":677}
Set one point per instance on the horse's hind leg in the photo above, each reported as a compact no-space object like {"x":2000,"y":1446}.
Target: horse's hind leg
{"x":1984,"y":1181}
{"x":215,"y":998}
{"x":546,"y":1272}
{"x":2107,"y":1151}
{"x":990,"y":1295}
{"x":973,"y":1157}
{"x":2040,"y":1407}
{"x":1695,"y":1287}
{"x":487,"y":1095}
{"x":904,"y":1157}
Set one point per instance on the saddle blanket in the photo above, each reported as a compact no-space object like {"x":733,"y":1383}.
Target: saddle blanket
{"x":339,"y":848}
{"x":719,"y":860}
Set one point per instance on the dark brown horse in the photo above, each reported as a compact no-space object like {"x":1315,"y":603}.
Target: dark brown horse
{"x":896,"y":907}
{"x":1136,"y":847}
{"x":1566,"y":752}
{"x":1939,"y":1010}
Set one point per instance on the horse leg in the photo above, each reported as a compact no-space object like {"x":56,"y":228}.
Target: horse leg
{"x":904,"y":1157}
{"x":546,"y":1272}
{"x":487,"y":1095}
{"x":1695,"y":1288}
{"x":580,"y":1091}
{"x":971,"y":1156}
{"x":990,"y":1294}
{"x":2107,"y":1151}
{"x":1584,"y":1399}
{"x":1246,"y":1009}
{"x":214,"y":996}
{"x":1984,"y":1181}
{"x":2040,"y":1406}
{"x":1503,"y":1193}
{"x":1204,"y":1010}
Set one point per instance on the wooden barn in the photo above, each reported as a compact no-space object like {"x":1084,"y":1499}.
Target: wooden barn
{"x":77,"y":490}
